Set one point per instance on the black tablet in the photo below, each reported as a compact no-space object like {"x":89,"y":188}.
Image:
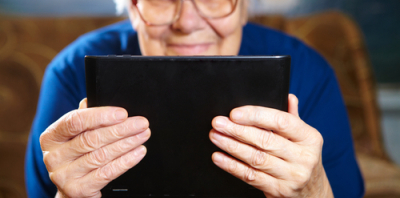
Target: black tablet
{"x":180,"y":96}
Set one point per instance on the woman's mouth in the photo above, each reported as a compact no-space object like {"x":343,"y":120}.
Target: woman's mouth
{"x":189,"y":49}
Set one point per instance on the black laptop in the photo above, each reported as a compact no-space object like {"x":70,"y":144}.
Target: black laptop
{"x":180,"y":96}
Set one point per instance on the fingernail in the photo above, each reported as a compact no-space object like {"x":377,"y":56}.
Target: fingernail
{"x":140,"y":151}
{"x":237,"y":114}
{"x":140,"y":123}
{"x":217,"y":157}
{"x":220,"y":122}
{"x":216,"y":136}
{"x":120,"y":114}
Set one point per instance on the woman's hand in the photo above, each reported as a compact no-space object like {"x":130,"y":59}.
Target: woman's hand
{"x":276,"y":151}
{"x":87,"y":148}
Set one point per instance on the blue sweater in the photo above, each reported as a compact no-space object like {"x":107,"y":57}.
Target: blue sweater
{"x":312,"y":81}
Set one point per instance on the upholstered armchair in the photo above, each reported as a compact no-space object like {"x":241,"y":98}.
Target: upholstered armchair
{"x":27,"y":45}
{"x":338,"y":38}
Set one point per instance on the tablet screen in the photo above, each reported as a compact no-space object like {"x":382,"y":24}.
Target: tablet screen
{"x":180,"y":96}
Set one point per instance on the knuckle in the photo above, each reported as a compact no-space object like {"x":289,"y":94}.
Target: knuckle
{"x":319,"y":139}
{"x":126,"y":162}
{"x":282,"y":121}
{"x":249,"y":175}
{"x":57,"y":178}
{"x":48,"y":160}
{"x":290,"y":191}
{"x":232,"y":166}
{"x":118,"y":130}
{"x":238,"y":131}
{"x":258,"y":115}
{"x":106,"y":172}
{"x":232,"y":146}
{"x":310,"y":159}
{"x":301,"y":179}
{"x":45,"y":137}
{"x":259,"y":158}
{"x":89,"y":140}
{"x":74,"y":122}
{"x":98,"y":157}
{"x":125,"y":145}
{"x":266,"y":139}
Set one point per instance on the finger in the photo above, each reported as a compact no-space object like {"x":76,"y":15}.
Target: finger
{"x":78,"y":121}
{"x":100,"y":177}
{"x":106,"y":154}
{"x":254,"y":177}
{"x":92,"y":140}
{"x":83,"y":104}
{"x":264,"y":140}
{"x":256,"y":158}
{"x":91,"y":184}
{"x":282,"y":123}
{"x":293,"y":105}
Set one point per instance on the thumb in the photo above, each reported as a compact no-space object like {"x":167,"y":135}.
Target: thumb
{"x":293,"y":105}
{"x":83,"y":104}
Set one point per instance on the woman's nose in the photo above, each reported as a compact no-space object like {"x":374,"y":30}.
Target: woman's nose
{"x":190,"y":19}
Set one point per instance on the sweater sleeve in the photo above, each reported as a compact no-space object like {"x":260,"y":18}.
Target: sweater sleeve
{"x":63,"y":87}
{"x":321,"y":106}
{"x":61,"y":92}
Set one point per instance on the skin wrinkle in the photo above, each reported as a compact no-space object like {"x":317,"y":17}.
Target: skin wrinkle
{"x":98,"y":157}
{"x":225,"y":37}
{"x":106,"y":171}
{"x":259,"y":158}
{"x":297,"y":183}
{"x":282,"y":121}
{"x":224,"y":33}
{"x":91,"y":141}
{"x":266,"y":140}
{"x":117,"y":131}
{"x":52,"y":160}
{"x":237,"y":131}
{"x":74,"y":122}
{"x":69,"y":169}
{"x":86,"y":140}
{"x":249,"y":175}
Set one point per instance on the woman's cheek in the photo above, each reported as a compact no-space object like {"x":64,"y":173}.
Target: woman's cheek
{"x":151,"y":40}
{"x":155,"y":32}
{"x":226,"y":26}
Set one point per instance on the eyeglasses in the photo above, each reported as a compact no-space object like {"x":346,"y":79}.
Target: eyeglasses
{"x":166,"y":12}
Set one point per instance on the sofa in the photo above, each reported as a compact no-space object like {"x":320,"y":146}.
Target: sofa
{"x":27,"y":45}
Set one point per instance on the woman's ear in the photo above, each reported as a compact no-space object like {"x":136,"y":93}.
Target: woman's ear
{"x":244,"y":11}
{"x":134,"y":16}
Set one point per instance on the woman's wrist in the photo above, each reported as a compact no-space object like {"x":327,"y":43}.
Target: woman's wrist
{"x":319,"y":185}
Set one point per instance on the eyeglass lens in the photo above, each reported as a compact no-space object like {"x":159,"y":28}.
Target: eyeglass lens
{"x":160,"y":12}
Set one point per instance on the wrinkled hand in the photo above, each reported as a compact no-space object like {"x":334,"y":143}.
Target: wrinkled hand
{"x":276,"y":151}
{"x":87,"y":148}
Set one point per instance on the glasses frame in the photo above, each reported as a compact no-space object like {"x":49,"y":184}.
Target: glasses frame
{"x":178,"y":15}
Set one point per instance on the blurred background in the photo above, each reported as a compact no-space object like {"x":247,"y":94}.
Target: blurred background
{"x":360,"y":38}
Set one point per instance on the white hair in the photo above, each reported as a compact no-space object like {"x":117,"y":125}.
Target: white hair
{"x":121,"y":5}
{"x":256,"y":6}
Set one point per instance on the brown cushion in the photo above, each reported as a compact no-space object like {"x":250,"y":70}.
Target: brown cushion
{"x":382,"y":178}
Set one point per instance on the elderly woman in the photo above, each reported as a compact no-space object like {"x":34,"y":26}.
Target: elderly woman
{"x":76,"y":152}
